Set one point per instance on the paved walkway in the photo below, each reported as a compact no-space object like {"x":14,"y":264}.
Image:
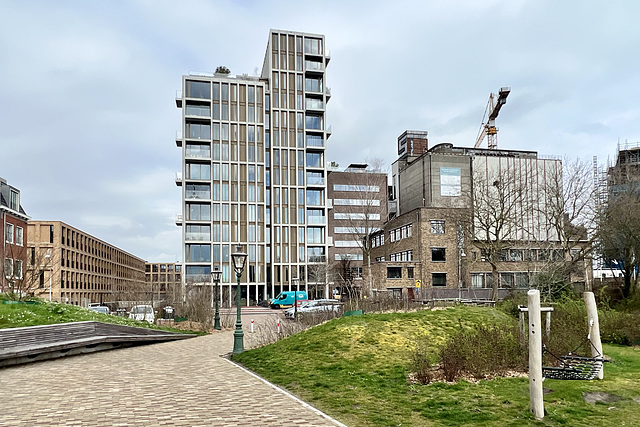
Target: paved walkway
{"x":182,"y":383}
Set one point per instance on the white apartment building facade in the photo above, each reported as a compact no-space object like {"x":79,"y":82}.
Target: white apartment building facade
{"x":254,"y":170}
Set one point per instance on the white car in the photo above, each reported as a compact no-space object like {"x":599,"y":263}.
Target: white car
{"x":100,"y":309}
{"x":315,"y":306}
{"x":142,"y":313}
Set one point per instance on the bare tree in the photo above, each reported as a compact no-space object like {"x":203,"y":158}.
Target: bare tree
{"x":366,"y":213}
{"x":570,"y":213}
{"x":498,"y":198}
{"x":619,"y":235}
{"x":26,"y":272}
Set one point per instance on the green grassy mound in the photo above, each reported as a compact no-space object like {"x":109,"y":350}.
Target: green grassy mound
{"x":356,"y":368}
{"x":41,"y":312}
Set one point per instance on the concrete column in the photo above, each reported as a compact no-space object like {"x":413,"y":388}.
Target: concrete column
{"x":536,"y":402}
{"x":594,"y":329}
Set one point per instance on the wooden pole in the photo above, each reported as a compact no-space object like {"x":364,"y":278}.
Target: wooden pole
{"x":594,"y":329}
{"x":536,"y":402}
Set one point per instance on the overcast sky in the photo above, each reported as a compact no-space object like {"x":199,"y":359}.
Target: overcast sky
{"x":87,"y":89}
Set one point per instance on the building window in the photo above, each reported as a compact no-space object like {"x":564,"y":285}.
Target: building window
{"x":437,"y":227}
{"x":199,"y":90}
{"x":356,"y":202}
{"x":438,"y":254}
{"x":410,"y":272}
{"x":401,"y":232}
{"x":17,"y":268}
{"x":19,"y":236}
{"x":507,"y":280}
{"x":357,"y":188}
{"x":8,"y":234}
{"x":439,"y":279}
{"x":477,"y":280}
{"x":394,"y":272}
{"x":8,"y":267}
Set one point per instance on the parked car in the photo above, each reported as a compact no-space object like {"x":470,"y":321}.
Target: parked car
{"x":142,"y":313}
{"x":316,"y":306}
{"x":286,"y":299}
{"x":100,"y":309}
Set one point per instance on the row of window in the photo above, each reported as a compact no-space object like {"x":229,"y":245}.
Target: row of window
{"x":400,"y":233}
{"x":358,"y":188}
{"x":357,"y":216}
{"x":356,"y":202}
{"x":222,"y":92}
{"x":530,"y":255}
{"x":14,"y":234}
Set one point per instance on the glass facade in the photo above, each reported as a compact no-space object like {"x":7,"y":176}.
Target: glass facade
{"x":248,"y":144}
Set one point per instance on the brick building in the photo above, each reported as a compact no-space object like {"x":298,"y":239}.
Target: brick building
{"x":165,"y":282}
{"x":438,"y":194}
{"x":13,"y":229}
{"x":80,"y":269}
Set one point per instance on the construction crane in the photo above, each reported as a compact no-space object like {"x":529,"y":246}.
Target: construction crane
{"x":489,"y":128}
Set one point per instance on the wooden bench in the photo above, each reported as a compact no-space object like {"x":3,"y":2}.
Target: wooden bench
{"x":34,"y":343}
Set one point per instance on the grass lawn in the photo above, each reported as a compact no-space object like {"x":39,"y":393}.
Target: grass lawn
{"x":355,"y":369}
{"x":46,"y":313}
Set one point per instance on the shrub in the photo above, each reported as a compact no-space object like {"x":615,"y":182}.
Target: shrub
{"x":481,"y":352}
{"x":420,"y":364}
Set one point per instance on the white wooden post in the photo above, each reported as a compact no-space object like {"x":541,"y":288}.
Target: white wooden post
{"x":536,"y":402}
{"x":594,"y":329}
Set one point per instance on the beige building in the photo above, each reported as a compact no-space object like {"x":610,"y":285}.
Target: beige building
{"x":165,"y":282}
{"x":442,"y":226}
{"x":77,"y":268}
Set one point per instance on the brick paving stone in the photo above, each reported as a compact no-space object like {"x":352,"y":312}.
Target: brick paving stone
{"x":179,"y":383}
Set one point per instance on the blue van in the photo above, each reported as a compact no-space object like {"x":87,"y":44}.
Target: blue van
{"x":286,"y":299}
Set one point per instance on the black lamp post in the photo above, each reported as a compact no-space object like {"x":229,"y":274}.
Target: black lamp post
{"x":239,"y":259}
{"x":215,"y":281}
{"x":295,"y":298}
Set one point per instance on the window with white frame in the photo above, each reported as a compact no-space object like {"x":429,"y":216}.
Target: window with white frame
{"x":401,"y":232}
{"x":346,"y":244}
{"x":19,"y":236}
{"x":358,"y":188}
{"x":356,"y":215}
{"x":356,"y":202}
{"x":9,"y":233}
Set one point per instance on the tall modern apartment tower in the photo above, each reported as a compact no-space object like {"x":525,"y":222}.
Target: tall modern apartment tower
{"x":254,"y":171}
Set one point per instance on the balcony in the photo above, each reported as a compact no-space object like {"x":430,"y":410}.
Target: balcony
{"x":315,"y":182}
{"x":179,"y":139}
{"x":316,"y":220}
{"x":194,"y":194}
{"x":179,"y":179}
{"x":313,"y":67}
{"x":328,"y":131}
{"x":314,"y":104}
{"x":329,"y":204}
{"x":327,"y":56}
{"x":327,"y":92}
{"x":179,"y":220}
{"x":329,"y":241}
{"x":179,"y":98}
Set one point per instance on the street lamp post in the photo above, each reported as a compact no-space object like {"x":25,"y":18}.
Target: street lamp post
{"x":215,"y":281}
{"x":239,"y":259}
{"x":295,"y":298}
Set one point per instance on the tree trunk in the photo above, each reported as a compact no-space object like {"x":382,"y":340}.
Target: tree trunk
{"x":494,"y":283}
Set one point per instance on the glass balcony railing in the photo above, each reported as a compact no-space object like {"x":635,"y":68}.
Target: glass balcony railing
{"x":315,"y":141}
{"x":314,"y":104}
{"x":315,"y":181}
{"x":197,"y":237}
{"x":316,"y":220}
{"x":191,"y":194}
{"x":198,"y":153}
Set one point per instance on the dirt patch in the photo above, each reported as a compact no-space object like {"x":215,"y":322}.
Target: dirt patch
{"x":599,"y":396}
